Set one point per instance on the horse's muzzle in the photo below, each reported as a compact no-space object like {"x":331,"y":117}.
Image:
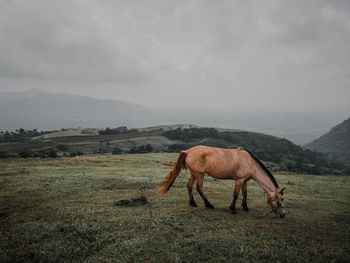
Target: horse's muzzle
{"x":280,"y":212}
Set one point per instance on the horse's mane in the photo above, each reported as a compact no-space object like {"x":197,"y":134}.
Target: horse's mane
{"x":269,"y":174}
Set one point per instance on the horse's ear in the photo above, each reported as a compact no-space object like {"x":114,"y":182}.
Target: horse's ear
{"x":282,"y":190}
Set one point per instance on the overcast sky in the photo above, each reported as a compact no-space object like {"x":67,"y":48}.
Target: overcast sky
{"x":273,"y":55}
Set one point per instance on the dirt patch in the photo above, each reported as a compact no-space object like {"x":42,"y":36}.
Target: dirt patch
{"x":131,"y":202}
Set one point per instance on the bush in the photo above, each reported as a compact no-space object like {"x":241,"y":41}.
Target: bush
{"x":192,"y":133}
{"x":52,"y":154}
{"x":142,"y":149}
{"x":25,"y":154}
{"x":4,"y":154}
{"x":49,"y":153}
{"x":117,"y":150}
{"x":119,"y":130}
{"x":77,"y":153}
{"x":177,"y":147}
{"x":20,"y":135}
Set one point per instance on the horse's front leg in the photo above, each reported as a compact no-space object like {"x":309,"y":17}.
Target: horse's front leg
{"x":244,"y":193}
{"x":238,"y":185}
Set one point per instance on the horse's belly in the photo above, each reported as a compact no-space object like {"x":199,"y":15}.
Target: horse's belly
{"x":221,"y":173}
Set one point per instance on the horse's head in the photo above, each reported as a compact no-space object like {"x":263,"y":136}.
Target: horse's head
{"x":276,"y":202}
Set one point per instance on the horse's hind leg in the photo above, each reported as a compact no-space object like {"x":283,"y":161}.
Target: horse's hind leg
{"x":199,"y":188}
{"x":189,"y":188}
{"x":238,"y":185}
{"x":244,"y":193}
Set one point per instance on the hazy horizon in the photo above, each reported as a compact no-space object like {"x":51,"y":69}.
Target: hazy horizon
{"x":51,"y":111}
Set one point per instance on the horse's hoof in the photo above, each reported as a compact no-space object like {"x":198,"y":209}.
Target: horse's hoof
{"x":210,"y":206}
{"x":245,"y":208}
{"x":233,"y":212}
{"x":193,"y":204}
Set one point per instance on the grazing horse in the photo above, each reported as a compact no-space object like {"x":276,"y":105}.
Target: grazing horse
{"x":237,"y":164}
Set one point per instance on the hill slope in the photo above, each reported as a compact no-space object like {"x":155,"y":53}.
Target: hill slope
{"x":335,"y":143}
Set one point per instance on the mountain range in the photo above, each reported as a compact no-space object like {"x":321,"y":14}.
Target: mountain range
{"x":43,"y":110}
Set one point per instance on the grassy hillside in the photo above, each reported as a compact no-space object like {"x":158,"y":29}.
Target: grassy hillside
{"x":278,"y":154}
{"x":335,"y":143}
{"x":61,"y":210}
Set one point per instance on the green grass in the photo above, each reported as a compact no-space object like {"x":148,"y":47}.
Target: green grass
{"x":61,"y":210}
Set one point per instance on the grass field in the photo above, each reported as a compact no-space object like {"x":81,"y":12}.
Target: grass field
{"x":61,"y":210}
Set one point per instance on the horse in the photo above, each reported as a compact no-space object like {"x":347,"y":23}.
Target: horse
{"x":237,"y":164}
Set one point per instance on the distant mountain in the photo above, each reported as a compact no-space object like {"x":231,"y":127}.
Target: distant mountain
{"x":44,"y":110}
{"x":335,"y":143}
{"x":10,"y":96}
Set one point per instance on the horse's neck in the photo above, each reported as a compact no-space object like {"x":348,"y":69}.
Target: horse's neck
{"x":265,"y":182}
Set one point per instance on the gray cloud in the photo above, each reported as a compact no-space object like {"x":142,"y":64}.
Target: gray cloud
{"x":211,"y":54}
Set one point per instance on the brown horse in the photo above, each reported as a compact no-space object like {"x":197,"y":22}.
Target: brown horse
{"x":237,"y":164}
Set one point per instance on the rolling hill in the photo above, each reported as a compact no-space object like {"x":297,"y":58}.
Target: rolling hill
{"x":278,"y":154}
{"x":335,"y":143}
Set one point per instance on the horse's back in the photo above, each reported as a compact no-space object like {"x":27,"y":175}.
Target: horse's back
{"x":217,"y":162}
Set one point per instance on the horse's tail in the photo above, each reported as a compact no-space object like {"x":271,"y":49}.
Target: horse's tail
{"x":170,"y":178}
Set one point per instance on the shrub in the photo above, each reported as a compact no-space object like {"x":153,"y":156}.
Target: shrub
{"x":4,"y":154}
{"x":117,"y":150}
{"x":20,"y":135}
{"x":192,"y":133}
{"x":25,"y":154}
{"x":52,"y":154}
{"x":178,"y":147}
{"x":142,"y":149}
{"x":119,"y":130}
{"x":77,"y":153}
